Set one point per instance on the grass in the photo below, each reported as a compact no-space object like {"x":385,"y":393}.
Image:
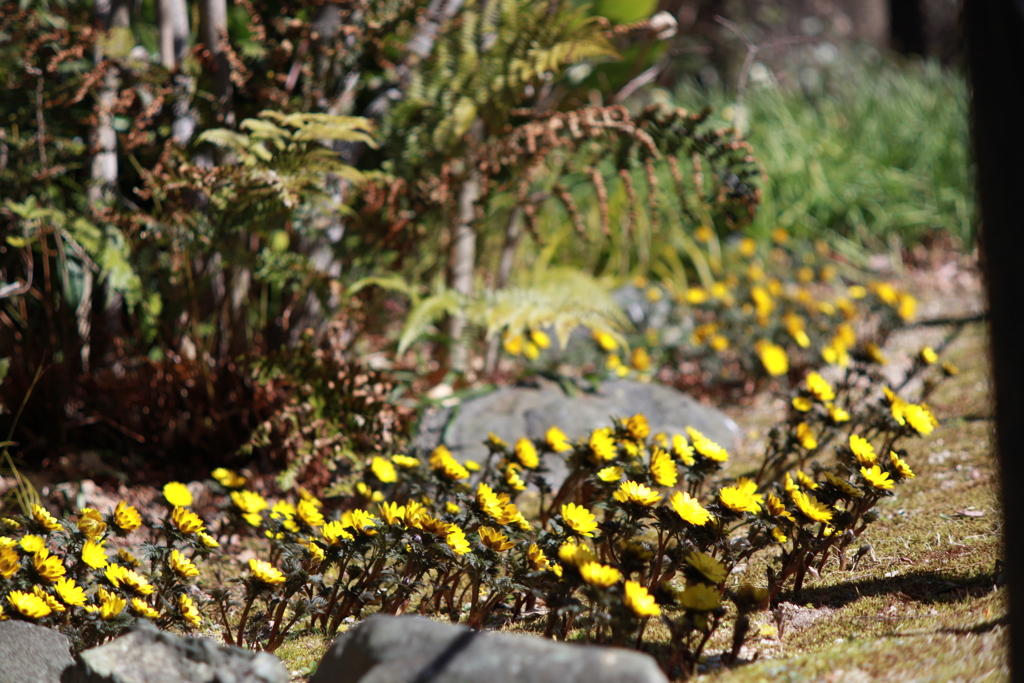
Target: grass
{"x":872,"y":152}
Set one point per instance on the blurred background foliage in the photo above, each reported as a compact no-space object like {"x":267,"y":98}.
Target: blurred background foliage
{"x":193,"y":191}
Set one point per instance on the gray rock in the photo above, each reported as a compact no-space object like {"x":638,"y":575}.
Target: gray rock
{"x":148,"y":655}
{"x":32,"y":654}
{"x":514,"y":412}
{"x":386,"y":649}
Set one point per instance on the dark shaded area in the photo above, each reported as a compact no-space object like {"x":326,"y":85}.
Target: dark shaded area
{"x":927,"y":587}
{"x":995,"y":45}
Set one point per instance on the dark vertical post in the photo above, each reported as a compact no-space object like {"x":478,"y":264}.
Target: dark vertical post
{"x":995,"y":45}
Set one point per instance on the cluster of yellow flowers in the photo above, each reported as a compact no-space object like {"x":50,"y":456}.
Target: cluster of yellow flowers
{"x":641,"y":527}
{"x":787,"y":298}
{"x":62,"y":572}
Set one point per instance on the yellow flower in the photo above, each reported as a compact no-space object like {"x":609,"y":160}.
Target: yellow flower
{"x":127,"y":558}
{"x":641,"y":360}
{"x":602,"y":445}
{"x":513,"y":344}
{"x":802,"y":403}
{"x":31,"y":543}
{"x":452,"y":508}
{"x":805,"y":436}
{"x":837,"y":414}
{"x":127,"y":517}
{"x":719,"y":342}
{"x":775,"y":507}
{"x":10,"y":563}
{"x":575,"y":555}
{"x":229,"y":479}
{"x":697,"y":295}
{"x":950,"y":370}
{"x":605,"y":340}
{"x":442,"y":462}
{"x":392,"y":513}
{"x":820,"y":388}
{"x":706,"y":447}
{"x":48,"y":566}
{"x":45,"y":519}
{"x":689,"y":509}
{"x":811,"y":507}
{"x":682,"y":450}
{"x":316,"y":553}
{"x":638,"y":427}
{"x":50,"y":601}
{"x":512,"y":477}
{"x":189,"y":612}
{"x":538,"y":561}
{"x":264,"y":572}
{"x":495,"y":540}
{"x":309,"y":513}
{"x":207,"y":540}
{"x":805,"y":481}
{"x":742,"y":497}
{"x":28,"y":605}
{"x":634,"y":492}
{"x":383,"y":470}
{"x":94,"y":554}
{"x":907,"y":307}
{"x":640,"y":601}
{"x":91,"y":523}
{"x":333,"y":532}
{"x":405,"y":462}
{"x":186,"y":521}
{"x":747,"y":247}
{"x":778,"y":535}
{"x":708,"y":567}
{"x":557,"y":441}
{"x":843,"y":486}
{"x":182,"y":565}
{"x":456,"y":540}
{"x":177,"y":494}
{"x":863,"y":450}
{"x":366,"y":492}
{"x":928,"y":356}
{"x":774,"y":359}
{"x":140,"y":607}
{"x":359,"y":520}
{"x":579,"y":519}
{"x":251,"y":504}
{"x":901,"y":467}
{"x":471,"y":465}
{"x":70,"y":593}
{"x":877,"y":478}
{"x":663,"y":468}
{"x":541,"y":339}
{"x":700,"y":597}
{"x":526,"y":453}
{"x":111,"y":605}
{"x":874,"y":354}
{"x":601,"y":575}
{"x":120,"y":576}
{"x":531,"y":351}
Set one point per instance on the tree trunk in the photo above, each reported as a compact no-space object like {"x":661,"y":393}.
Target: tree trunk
{"x":461,"y":265}
{"x":995,"y":49}
{"x":174,"y":39}
{"x":213,"y":27}
{"x":103,"y":170}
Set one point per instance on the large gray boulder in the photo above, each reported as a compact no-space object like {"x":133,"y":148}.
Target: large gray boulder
{"x":148,"y":655}
{"x":514,"y":412}
{"x":387,"y":649}
{"x":32,"y":654}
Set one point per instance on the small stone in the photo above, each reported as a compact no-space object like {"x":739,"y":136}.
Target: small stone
{"x":32,"y":653}
{"x":387,"y":649}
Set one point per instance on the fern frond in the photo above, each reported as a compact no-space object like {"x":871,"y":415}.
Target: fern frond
{"x":426,"y":313}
